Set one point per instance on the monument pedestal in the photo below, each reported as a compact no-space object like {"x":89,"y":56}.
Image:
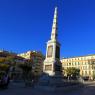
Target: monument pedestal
{"x":52,"y":77}
{"x":52,"y":67}
{"x":50,"y":83}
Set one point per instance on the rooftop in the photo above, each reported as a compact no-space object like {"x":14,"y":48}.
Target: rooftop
{"x":78,"y":56}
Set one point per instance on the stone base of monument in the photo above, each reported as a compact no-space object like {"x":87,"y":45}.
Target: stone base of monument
{"x":50,"y":82}
{"x":56,"y":83}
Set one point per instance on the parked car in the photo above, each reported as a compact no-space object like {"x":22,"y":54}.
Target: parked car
{"x":85,"y":78}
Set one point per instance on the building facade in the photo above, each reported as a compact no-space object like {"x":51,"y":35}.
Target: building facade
{"x":8,"y":57}
{"x":37,"y":58}
{"x":11,"y":60}
{"x":86,"y":64}
{"x":4,"y":53}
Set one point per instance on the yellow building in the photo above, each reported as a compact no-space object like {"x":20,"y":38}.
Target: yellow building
{"x":86,"y":64}
{"x":37,"y":58}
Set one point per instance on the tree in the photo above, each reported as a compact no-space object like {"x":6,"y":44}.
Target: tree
{"x":2,"y":60}
{"x":93,"y":76}
{"x":72,"y":72}
{"x":11,"y":60}
{"x":26,"y":71}
{"x":4,"y":67}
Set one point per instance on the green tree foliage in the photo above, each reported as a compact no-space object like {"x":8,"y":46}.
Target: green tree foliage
{"x":71,"y":71}
{"x":4,"y":67}
{"x":8,"y":60}
{"x":26,"y":70}
{"x":2,"y":60}
{"x":11,"y":60}
{"x":25,"y":67}
{"x":93,"y":76}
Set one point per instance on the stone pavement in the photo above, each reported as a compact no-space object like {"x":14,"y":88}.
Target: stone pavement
{"x":19,"y":89}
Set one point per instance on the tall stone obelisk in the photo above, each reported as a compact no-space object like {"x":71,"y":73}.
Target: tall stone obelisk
{"x":52,"y":65}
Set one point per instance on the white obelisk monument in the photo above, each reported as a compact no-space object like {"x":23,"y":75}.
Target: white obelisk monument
{"x":52,"y":65}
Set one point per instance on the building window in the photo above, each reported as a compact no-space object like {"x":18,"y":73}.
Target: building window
{"x":82,"y":73}
{"x":83,"y":63}
{"x":85,"y":72}
{"x":86,"y":63}
{"x":89,"y":72}
{"x":72,"y":64}
{"x":69,"y":63}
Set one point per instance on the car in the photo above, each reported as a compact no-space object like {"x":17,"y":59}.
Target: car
{"x":85,"y":78}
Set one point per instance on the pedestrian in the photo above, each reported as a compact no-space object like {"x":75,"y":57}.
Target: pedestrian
{"x":6,"y":80}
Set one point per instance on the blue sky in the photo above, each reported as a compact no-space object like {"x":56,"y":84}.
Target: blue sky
{"x":26,"y":25}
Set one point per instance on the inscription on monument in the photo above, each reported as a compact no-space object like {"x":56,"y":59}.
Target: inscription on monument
{"x":48,"y":67}
{"x":50,"y":50}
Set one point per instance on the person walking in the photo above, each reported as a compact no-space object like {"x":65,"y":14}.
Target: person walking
{"x":6,"y":80}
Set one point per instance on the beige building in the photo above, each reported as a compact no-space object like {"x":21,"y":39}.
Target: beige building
{"x":37,"y":58}
{"x":86,"y":64}
{"x":10,"y":58}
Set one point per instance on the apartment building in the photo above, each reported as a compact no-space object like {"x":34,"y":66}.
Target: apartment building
{"x":86,"y":64}
{"x":37,"y":58}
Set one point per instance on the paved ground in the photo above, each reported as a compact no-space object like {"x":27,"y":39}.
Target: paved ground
{"x":89,"y":89}
{"x":14,"y":89}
